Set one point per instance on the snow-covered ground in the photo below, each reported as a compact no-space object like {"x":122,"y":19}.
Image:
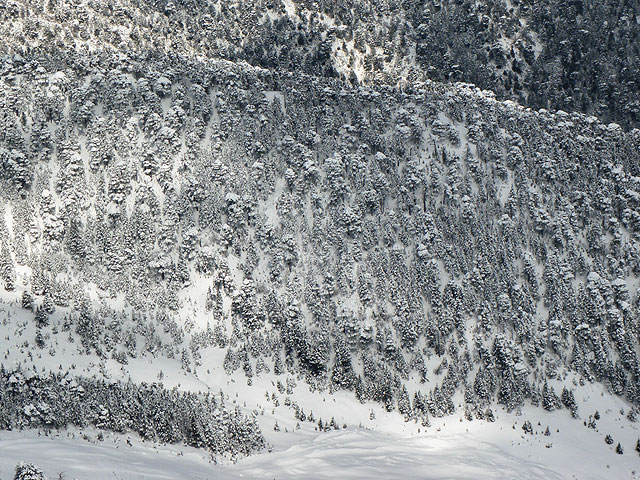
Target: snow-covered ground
{"x":449,"y":449}
{"x":375,"y":444}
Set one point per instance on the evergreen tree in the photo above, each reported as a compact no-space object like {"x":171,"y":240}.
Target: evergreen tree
{"x":41,"y":317}
{"x":40,"y":343}
{"x":28,"y":471}
{"x":404,"y":404}
{"x":27,"y":300}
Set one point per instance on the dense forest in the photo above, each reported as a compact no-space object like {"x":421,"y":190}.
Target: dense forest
{"x":344,"y":233}
{"x":575,"y":56}
{"x":55,"y":401}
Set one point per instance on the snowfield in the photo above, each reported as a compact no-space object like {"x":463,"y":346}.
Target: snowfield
{"x":364,"y":454}
{"x":450,"y":449}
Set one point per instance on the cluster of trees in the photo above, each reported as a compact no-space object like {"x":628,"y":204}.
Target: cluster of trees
{"x":577,"y":56}
{"x":109,"y":333}
{"x":357,"y":237}
{"x":56,"y":401}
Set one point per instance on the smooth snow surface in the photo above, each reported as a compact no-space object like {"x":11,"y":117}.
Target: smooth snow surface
{"x":449,"y":449}
{"x":351,"y":454}
{"x":368,"y":454}
{"x":76,"y":458}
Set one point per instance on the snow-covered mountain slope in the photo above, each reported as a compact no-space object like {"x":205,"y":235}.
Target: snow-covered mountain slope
{"x":203,"y":252}
{"x":575,"y":56}
{"x":215,"y":226}
{"x":365,"y":441}
{"x":363,"y":239}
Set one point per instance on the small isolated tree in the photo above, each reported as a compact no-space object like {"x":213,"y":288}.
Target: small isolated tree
{"x":619,"y":449}
{"x":638,"y":446}
{"x":28,"y":471}
{"x":27,"y":300}
{"x":333,"y":424}
{"x":40,"y":343}
{"x":608,"y":440}
{"x":42,"y":318}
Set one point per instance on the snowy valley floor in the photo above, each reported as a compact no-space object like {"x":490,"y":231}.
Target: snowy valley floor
{"x":449,"y":449}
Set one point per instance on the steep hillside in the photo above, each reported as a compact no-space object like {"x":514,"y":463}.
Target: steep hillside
{"x":368,"y":240}
{"x":576,"y":56}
